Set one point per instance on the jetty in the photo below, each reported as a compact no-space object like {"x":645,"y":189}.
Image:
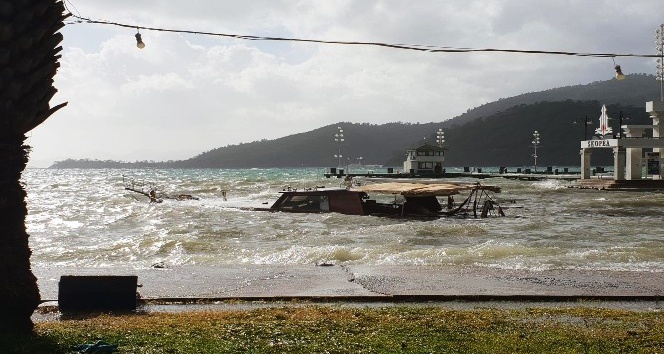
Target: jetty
{"x":427,"y":161}
{"x":517,"y":174}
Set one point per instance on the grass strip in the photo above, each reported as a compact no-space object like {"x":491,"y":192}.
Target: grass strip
{"x":325,"y":329}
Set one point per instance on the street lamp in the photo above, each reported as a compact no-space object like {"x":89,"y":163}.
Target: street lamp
{"x":339,"y":139}
{"x":536,"y":143}
{"x":440,"y":137}
{"x":620,"y":124}
{"x":586,"y":123}
{"x":659,"y":40}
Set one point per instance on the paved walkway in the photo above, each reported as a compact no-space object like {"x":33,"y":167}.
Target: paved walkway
{"x":374,"y":282}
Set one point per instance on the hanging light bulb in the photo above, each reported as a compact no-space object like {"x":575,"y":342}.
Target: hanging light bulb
{"x":139,"y":41}
{"x":619,"y":74}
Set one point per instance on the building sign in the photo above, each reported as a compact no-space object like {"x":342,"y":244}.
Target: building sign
{"x":602,"y":143}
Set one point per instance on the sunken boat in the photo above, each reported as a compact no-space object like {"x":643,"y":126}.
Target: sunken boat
{"x":395,"y":199}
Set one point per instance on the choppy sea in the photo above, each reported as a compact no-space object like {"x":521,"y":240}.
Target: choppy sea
{"x":85,"y":218}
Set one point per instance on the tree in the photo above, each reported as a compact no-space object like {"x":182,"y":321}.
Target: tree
{"x":29,"y":53}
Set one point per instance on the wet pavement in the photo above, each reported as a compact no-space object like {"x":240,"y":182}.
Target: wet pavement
{"x":379,"y":283}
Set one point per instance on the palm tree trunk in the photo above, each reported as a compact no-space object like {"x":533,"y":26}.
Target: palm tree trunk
{"x":19,"y":296}
{"x":29,"y":50}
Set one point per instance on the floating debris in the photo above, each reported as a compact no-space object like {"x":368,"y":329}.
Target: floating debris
{"x":152,"y":190}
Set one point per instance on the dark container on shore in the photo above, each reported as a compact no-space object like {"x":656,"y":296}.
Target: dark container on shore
{"x":77,"y":293}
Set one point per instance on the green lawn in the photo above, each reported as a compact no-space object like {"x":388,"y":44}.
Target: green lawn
{"x":319,"y":329}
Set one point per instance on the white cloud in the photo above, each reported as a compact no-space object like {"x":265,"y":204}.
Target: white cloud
{"x":184,"y":94}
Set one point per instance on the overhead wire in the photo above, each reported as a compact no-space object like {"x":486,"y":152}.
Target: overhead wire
{"x":414,"y":47}
{"x":65,"y":2}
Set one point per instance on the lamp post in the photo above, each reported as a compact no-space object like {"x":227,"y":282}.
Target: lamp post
{"x":586,"y":123}
{"x":440,"y":137}
{"x":339,"y":139}
{"x":536,"y":143}
{"x":620,"y":123}
{"x":659,"y":40}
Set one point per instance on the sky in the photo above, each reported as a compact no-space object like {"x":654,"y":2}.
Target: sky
{"x":184,"y":94}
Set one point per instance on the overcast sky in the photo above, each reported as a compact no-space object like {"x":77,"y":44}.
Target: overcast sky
{"x":185,"y":94}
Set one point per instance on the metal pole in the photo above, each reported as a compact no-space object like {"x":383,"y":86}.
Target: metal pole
{"x":536,"y":141}
{"x":659,"y":40}
{"x":620,"y":121}
{"x":585,"y":128}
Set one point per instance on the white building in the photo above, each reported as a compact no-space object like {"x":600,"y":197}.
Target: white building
{"x":425,"y":159}
{"x":630,"y":162}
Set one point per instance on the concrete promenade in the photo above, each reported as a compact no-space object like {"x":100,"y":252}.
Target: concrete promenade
{"x":384,"y":283}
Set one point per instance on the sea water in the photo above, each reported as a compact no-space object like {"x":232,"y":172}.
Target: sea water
{"x":86,"y":218}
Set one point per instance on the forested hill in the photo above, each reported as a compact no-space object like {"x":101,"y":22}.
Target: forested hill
{"x":633,"y":91}
{"x":502,"y":138}
{"x":376,"y":144}
{"x":505,"y":139}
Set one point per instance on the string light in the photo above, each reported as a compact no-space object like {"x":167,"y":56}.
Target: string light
{"x":415,"y":47}
{"x":139,"y":40}
{"x":619,"y":74}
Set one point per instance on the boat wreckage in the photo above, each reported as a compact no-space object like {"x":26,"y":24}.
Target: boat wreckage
{"x":394,"y":199}
{"x":152,"y":191}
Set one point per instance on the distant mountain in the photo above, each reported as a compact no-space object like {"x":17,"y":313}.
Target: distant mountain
{"x":495,"y":134}
{"x":376,"y":144}
{"x":635,"y":90}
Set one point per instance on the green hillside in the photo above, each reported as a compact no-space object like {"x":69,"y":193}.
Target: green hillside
{"x":374,"y":143}
{"x":635,"y":90}
{"x":495,"y":134}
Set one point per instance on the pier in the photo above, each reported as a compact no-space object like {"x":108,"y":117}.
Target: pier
{"x":519,"y":174}
{"x":600,"y":179}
